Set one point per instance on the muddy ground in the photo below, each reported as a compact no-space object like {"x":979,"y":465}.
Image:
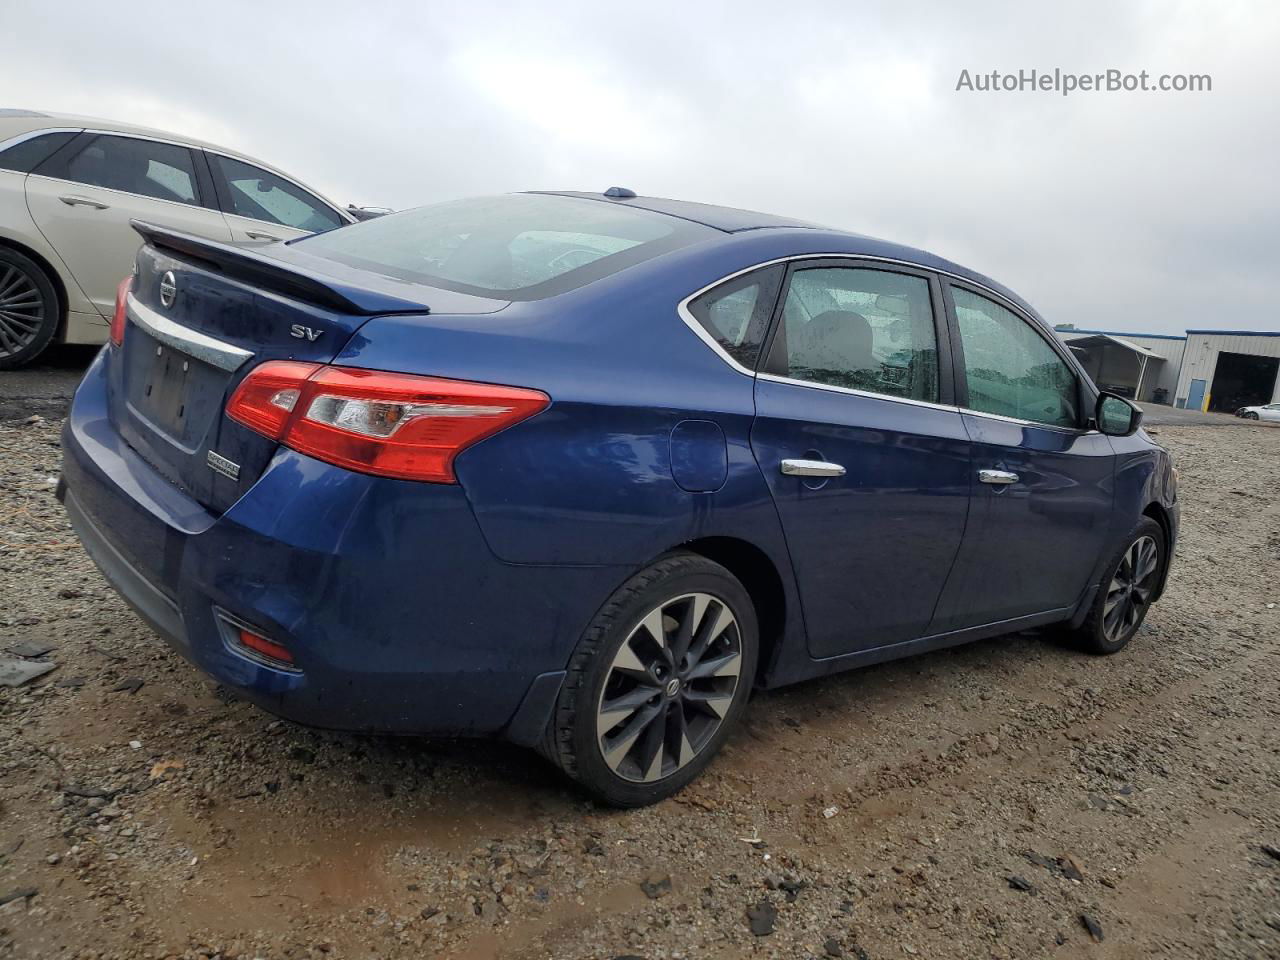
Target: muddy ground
{"x":965,"y":804}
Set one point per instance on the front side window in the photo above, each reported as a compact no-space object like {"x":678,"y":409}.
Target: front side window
{"x":1011,"y":370}
{"x":868,"y":330}
{"x":736,"y":313}
{"x":517,"y":247}
{"x":261,"y":195}
{"x":163,"y":171}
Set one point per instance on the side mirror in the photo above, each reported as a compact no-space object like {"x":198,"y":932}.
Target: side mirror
{"x":1116,"y":416}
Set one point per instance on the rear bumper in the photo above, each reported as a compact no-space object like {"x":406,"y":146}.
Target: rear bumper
{"x":398,"y":615}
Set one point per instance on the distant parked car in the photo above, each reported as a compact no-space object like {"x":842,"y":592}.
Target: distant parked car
{"x":1266,"y":411}
{"x":583,"y":469}
{"x":69,"y":187}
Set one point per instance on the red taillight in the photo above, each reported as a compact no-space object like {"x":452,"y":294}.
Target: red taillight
{"x":266,"y":398}
{"x":388,"y":424}
{"x":117,"y":318}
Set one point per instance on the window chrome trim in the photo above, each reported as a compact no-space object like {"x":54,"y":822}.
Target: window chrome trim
{"x":968,"y":411}
{"x":342,"y":215}
{"x":201,"y":346}
{"x":682,"y":308}
{"x":184,"y":204}
{"x":345,"y":217}
{"x":214,"y":151}
{"x":32,"y":134}
{"x":852,"y":391}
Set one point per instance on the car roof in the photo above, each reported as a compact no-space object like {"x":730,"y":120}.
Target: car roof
{"x":732,"y":220}
{"x":728,"y":219}
{"x":16,"y":122}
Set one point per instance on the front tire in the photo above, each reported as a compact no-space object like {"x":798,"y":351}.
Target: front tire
{"x":29,"y":310}
{"x":1126,"y":591}
{"x":656,"y":683}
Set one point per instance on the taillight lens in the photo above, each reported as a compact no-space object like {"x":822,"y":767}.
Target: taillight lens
{"x":117,"y":319}
{"x":388,"y":424}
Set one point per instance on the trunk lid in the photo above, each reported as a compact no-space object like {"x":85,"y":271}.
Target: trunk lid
{"x":200,"y":317}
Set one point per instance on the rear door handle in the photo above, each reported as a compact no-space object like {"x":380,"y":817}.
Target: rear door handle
{"x":998,"y":477}
{"x":811,"y":468}
{"x":255,"y":235}
{"x":72,"y":200}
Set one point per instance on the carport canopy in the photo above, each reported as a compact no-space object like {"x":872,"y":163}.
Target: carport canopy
{"x":1114,"y":363}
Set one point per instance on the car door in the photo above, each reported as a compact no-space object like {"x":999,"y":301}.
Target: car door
{"x":867,"y":460}
{"x":1270,"y":412}
{"x":83,"y":198}
{"x":262,"y":206}
{"x":1042,"y":480}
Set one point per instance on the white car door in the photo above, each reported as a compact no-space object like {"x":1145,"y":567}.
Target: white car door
{"x":262,"y":206}
{"x":1270,"y":412}
{"x":83,"y":206}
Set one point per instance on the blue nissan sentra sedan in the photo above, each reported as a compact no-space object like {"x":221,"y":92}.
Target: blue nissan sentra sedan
{"x":581,"y":470}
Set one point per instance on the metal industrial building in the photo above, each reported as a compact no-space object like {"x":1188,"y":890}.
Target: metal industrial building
{"x":1224,"y":370}
{"x":1214,"y":370}
{"x":1143,"y":366}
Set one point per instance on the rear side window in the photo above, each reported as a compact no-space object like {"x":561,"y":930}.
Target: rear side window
{"x":736,"y":313}
{"x":869,"y":330}
{"x":145,"y":167}
{"x":1010,"y":368}
{"x":515,"y":247}
{"x":261,"y":195}
{"x":29,"y":154}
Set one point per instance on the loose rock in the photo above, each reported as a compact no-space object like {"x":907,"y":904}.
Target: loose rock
{"x":761,"y":917}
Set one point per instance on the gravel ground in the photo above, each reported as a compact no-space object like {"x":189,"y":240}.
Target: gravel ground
{"x":979,"y":802}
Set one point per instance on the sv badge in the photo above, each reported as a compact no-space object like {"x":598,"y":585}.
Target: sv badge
{"x":304,"y":333}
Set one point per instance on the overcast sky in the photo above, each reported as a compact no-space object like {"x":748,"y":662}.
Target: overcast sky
{"x":1117,"y":211}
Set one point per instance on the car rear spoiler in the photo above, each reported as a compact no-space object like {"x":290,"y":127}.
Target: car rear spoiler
{"x":277,"y":276}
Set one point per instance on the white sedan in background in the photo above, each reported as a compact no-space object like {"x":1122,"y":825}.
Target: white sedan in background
{"x":1267,"y":411}
{"x":69,"y":187}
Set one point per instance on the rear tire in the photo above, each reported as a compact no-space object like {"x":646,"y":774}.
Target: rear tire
{"x":1125,"y":592}
{"x":29,"y":309}
{"x":640,"y":716}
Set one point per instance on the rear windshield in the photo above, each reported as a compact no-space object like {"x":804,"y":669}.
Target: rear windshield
{"x":516,"y":247}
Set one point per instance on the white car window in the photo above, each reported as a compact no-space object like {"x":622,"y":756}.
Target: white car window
{"x":160,"y":170}
{"x":260,"y":195}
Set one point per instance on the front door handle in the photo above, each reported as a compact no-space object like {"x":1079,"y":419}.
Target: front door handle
{"x":255,"y":235}
{"x":811,"y":468}
{"x":72,"y":200}
{"x":998,"y":477}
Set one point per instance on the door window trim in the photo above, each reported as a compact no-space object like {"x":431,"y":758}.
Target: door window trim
{"x":59,"y":159}
{"x":945,"y":279}
{"x":941,"y":330}
{"x":32,"y":134}
{"x":1085,"y":398}
{"x":223,"y":190}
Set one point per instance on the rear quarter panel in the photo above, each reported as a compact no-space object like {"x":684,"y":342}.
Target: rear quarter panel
{"x":589,"y":481}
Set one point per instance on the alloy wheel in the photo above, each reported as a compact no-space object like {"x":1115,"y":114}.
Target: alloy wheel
{"x":669,"y":687}
{"x":1131,"y":589}
{"x":22,"y":310}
